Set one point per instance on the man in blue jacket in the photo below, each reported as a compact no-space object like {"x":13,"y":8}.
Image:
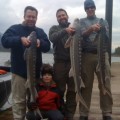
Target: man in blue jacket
{"x":16,"y":38}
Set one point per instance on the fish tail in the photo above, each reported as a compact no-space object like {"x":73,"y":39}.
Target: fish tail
{"x":27,"y":84}
{"x":39,"y":113}
{"x":105,"y":91}
{"x":68,"y":42}
{"x":82,"y":101}
{"x":71,"y":72}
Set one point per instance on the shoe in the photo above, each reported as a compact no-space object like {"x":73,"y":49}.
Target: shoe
{"x":83,"y":118}
{"x":107,"y":118}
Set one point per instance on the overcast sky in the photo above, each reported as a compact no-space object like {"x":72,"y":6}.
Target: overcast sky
{"x":11,"y":12}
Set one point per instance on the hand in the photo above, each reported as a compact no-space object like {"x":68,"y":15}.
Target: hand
{"x":96,"y":27}
{"x":38,"y":43}
{"x":32,"y":105}
{"x":70,"y":30}
{"x":25,"y":41}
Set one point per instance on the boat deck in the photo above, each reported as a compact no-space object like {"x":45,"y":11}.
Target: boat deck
{"x":6,"y":114}
{"x":95,"y":112}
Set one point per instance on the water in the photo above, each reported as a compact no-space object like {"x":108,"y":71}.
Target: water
{"x":5,"y":56}
{"x":47,"y":58}
{"x":115,"y":59}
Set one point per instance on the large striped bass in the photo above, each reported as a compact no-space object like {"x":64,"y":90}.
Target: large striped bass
{"x":102,"y":58}
{"x":76,"y":56}
{"x":30,"y":57}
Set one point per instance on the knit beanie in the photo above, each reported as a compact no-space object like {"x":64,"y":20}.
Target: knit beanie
{"x":89,"y":3}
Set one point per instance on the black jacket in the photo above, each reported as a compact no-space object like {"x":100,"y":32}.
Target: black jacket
{"x":12,"y":39}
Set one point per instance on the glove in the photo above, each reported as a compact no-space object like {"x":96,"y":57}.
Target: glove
{"x":32,"y":105}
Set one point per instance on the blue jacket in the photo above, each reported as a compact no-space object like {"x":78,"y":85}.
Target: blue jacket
{"x":12,"y":39}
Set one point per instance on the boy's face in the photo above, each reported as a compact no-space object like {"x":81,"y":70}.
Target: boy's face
{"x":47,"y":78}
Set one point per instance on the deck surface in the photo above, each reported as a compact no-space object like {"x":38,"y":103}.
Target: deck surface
{"x":95,"y":112}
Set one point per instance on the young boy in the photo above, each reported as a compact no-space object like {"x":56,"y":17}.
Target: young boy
{"x":48,"y":99}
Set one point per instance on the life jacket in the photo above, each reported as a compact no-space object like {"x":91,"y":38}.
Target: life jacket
{"x":2,"y":72}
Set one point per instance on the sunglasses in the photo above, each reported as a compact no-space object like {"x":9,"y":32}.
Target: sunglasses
{"x":91,"y":7}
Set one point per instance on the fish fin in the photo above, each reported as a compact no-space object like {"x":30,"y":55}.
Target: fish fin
{"x":82,"y":101}
{"x":25,"y":54}
{"x":82,"y":84}
{"x":39,"y":113}
{"x":77,"y":98}
{"x":105,"y":91}
{"x":98,"y":67}
{"x":68,"y":42}
{"x":27,"y":84}
{"x":71,"y":72}
{"x":109,"y":93}
{"x":107,"y":78}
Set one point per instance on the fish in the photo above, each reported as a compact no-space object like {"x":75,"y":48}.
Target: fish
{"x":101,"y":50}
{"x":74,"y":42}
{"x":30,"y":57}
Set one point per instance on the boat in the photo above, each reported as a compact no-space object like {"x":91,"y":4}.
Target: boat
{"x":5,"y":85}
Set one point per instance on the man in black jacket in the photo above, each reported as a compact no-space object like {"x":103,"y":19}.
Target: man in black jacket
{"x":16,"y":38}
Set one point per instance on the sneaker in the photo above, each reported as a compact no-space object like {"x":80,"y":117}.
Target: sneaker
{"x":107,"y":118}
{"x":83,"y":118}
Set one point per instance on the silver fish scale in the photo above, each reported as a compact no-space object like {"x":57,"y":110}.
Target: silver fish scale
{"x":30,"y":55}
{"x":101,"y":57}
{"x":31,"y":63}
{"x":76,"y":56}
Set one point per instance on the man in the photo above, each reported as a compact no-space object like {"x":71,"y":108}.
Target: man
{"x":16,"y":38}
{"x":89,"y":30}
{"x":58,"y":35}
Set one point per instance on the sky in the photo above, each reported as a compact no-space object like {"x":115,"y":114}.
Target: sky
{"x":11,"y":12}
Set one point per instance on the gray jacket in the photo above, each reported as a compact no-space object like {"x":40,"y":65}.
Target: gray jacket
{"x":58,"y":36}
{"x":89,"y":43}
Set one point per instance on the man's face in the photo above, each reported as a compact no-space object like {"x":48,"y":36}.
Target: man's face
{"x":90,"y":11}
{"x":62,"y":18}
{"x":30,"y":18}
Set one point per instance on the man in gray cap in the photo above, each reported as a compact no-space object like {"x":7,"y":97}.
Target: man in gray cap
{"x":89,"y":29}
